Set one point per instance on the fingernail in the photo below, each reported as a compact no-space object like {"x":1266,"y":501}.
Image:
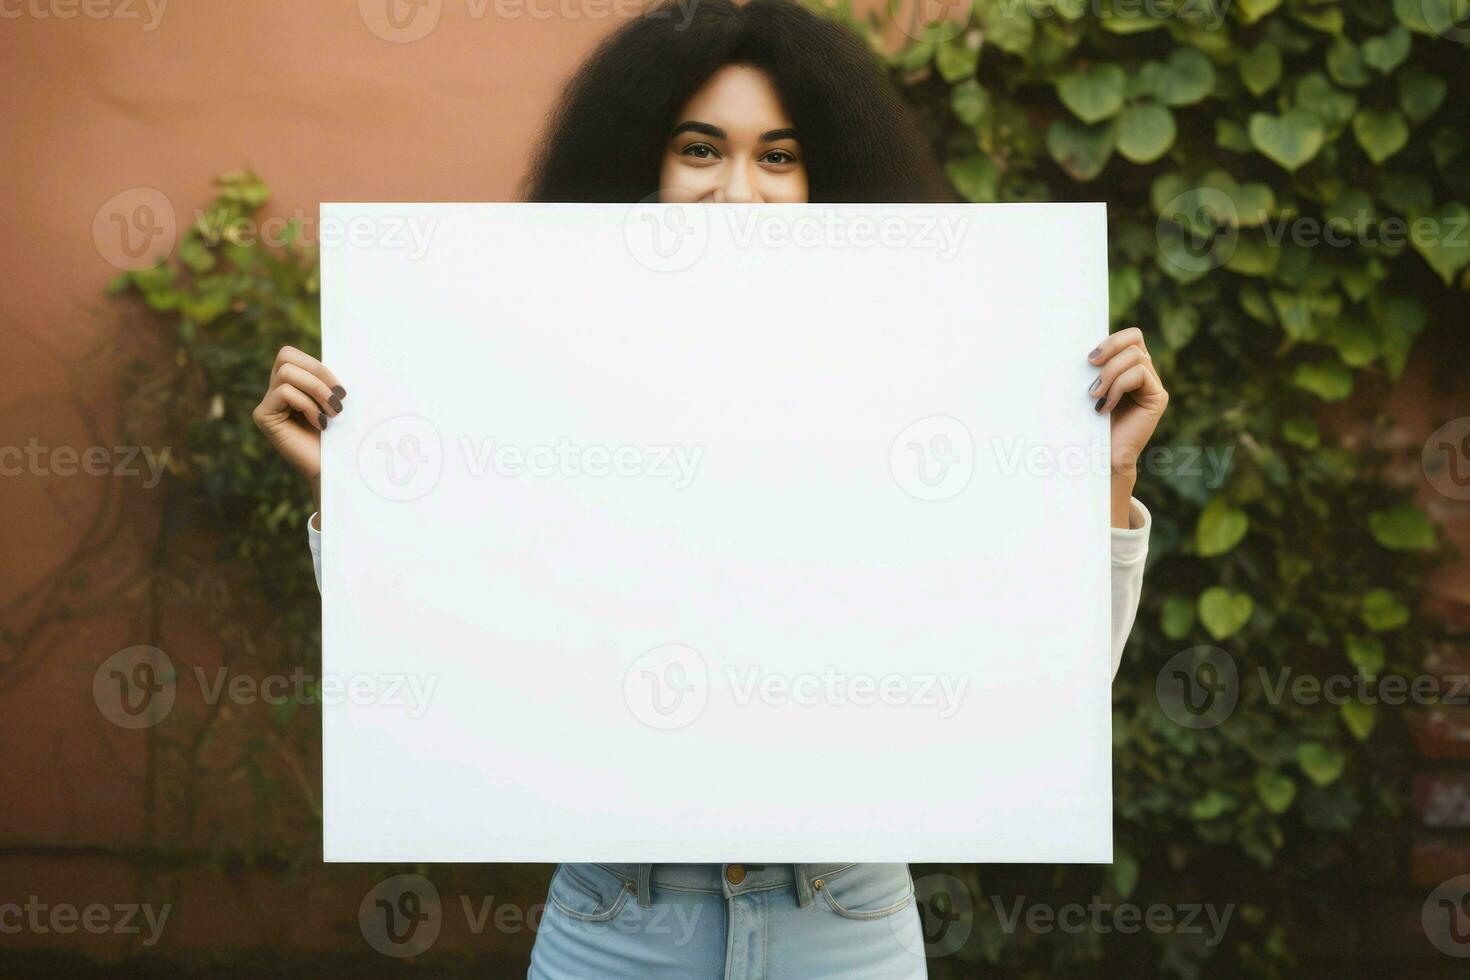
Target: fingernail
{"x":1097,"y":381}
{"x":321,"y":419}
{"x":1099,"y":405}
{"x":339,"y":391}
{"x":336,"y":402}
{"x":1095,"y":351}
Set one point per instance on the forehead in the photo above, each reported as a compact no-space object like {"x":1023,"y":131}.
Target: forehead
{"x":736,"y":98}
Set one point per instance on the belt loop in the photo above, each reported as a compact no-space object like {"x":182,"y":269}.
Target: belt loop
{"x":803,"y":873}
{"x":645,"y":888}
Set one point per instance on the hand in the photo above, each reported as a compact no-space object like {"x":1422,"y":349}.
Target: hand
{"x":301,"y":396}
{"x":1127,"y":387}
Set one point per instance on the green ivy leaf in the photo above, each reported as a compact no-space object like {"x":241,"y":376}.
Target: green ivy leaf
{"x":975,"y":177}
{"x":1381,"y":134}
{"x":1260,"y":69}
{"x":1145,"y":132}
{"x":1345,"y":64}
{"x":1366,"y":653}
{"x":1006,"y":25}
{"x":1224,"y":613}
{"x":1213,"y":804}
{"x":1445,"y":240}
{"x":1301,"y":430}
{"x":1387,"y":51}
{"x":1336,"y":107}
{"x":1382,"y":611}
{"x":1250,"y":11}
{"x":1358,"y":718}
{"x":1323,"y":764}
{"x":1421,"y":93}
{"x":1221,"y":526}
{"x":1402,"y":528}
{"x":1095,"y":94}
{"x":1187,"y":77}
{"x":1081,"y":151}
{"x":1276,"y":790}
{"x":957,"y":58}
{"x":1330,"y":381}
{"x":1176,"y":619}
{"x":1291,"y":139}
{"x":970,"y":102}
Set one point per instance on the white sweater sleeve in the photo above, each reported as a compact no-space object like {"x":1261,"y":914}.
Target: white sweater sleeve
{"x":1130,"y":548}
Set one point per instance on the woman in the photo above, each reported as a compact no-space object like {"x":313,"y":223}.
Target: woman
{"x":764,"y":102}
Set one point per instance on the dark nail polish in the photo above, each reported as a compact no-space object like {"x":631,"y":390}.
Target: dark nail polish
{"x":1099,"y":405}
{"x":339,"y":391}
{"x":321,"y":419}
{"x":1095,"y":352}
{"x":336,"y":402}
{"x":1095,"y":383}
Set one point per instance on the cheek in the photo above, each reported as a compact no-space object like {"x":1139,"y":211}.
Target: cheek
{"x":677,"y":182}
{"x":787,"y":188}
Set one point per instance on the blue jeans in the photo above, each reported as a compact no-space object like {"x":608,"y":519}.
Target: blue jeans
{"x":731,"y":921}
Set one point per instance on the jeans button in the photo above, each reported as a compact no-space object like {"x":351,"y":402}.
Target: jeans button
{"x":735,"y":874}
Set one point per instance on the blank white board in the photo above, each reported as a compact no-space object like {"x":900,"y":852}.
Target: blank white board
{"x":733,"y":533}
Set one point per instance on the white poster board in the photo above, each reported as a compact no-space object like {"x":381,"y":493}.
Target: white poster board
{"x":709,"y":534}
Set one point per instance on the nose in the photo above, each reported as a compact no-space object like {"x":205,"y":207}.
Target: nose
{"x":739,"y":186}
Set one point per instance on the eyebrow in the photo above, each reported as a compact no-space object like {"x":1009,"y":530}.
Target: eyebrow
{"x":693,"y":126}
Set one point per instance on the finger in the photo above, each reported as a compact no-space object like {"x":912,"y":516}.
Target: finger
{"x":303,"y":380}
{"x":1111,"y":344}
{"x":1138,"y":378}
{"x":1116,"y":365}
{"x":284,"y":397}
{"x":291,"y":355}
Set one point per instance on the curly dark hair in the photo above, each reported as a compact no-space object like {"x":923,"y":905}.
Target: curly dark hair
{"x":605,"y":140}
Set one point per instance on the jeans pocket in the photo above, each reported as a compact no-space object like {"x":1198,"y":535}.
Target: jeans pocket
{"x":869,"y":891}
{"x":588,"y":892}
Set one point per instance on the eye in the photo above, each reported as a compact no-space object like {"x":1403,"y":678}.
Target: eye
{"x":701,"y":151}
{"x":779,"y":157}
